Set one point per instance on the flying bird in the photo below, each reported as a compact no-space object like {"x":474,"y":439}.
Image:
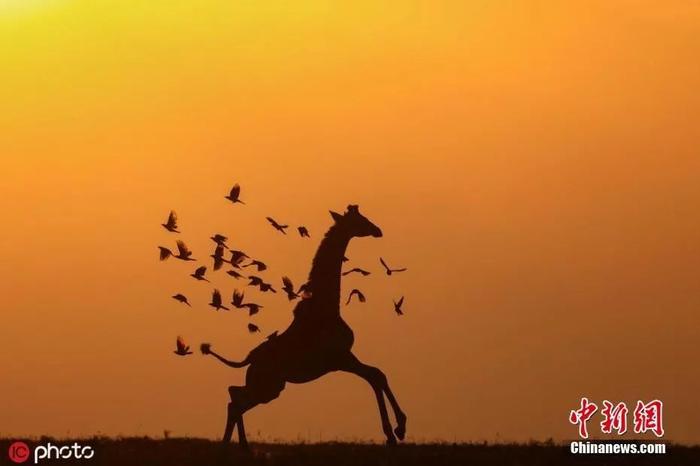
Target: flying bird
{"x":237,"y":257}
{"x":182,"y":349}
{"x":218,"y":257}
{"x":237,"y":300}
{"x":389,"y":270}
{"x":220,"y":240}
{"x":257,"y":281}
{"x":252,"y":328}
{"x":235,"y":274}
{"x":216,"y":301}
{"x":277,"y":226}
{"x":171,"y":223}
{"x":359,"y":294}
{"x":254,"y":280}
{"x":288,"y":287}
{"x":303,"y":232}
{"x":265,"y":287}
{"x":358,"y":270}
{"x":183,"y":252}
{"x":199,"y":273}
{"x":234,"y":194}
{"x":253,"y":308}
{"x":397,"y":306}
{"x":261,"y":266}
{"x":164,"y":253}
{"x":181,"y":298}
{"x":345,"y":259}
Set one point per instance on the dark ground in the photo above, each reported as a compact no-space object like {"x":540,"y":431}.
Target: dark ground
{"x":182,"y":452}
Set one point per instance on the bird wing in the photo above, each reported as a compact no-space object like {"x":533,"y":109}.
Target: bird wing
{"x":164,"y":253}
{"x":172,"y":219}
{"x":237,"y":256}
{"x":180,"y":344}
{"x":219,"y":251}
{"x":272,"y":222}
{"x":288,"y":285}
{"x":218,"y":262}
{"x":235,"y":191}
{"x":237,"y":297}
{"x":400,"y":303}
{"x":182,"y":247}
{"x":357,"y":292}
{"x":255,"y":280}
{"x":253,"y":328}
{"x":384,"y":263}
{"x":200,"y":271}
{"x":216,"y":298}
{"x":399,"y":270}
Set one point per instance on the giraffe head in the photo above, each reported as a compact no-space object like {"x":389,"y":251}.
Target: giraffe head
{"x":356,"y":224}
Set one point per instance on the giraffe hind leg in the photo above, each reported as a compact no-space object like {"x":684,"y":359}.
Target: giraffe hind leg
{"x":245,"y":398}
{"x":235,"y":416}
{"x":231,"y":422}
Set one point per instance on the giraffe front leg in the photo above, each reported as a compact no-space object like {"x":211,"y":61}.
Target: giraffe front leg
{"x":376,"y":379}
{"x":386,"y":424}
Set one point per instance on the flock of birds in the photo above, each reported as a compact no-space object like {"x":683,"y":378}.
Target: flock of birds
{"x":240,"y":262}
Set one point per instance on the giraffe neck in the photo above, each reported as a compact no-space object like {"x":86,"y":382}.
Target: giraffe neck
{"x":324,"y":278}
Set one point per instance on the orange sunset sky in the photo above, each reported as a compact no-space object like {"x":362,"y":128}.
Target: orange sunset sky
{"x":534,"y":164}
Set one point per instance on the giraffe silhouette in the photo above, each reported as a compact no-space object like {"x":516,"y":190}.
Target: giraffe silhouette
{"x":318,"y":340}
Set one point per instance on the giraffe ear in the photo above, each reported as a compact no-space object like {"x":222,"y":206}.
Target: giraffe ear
{"x":336,"y":216}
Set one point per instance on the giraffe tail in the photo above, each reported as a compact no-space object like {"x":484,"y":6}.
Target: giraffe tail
{"x":234,"y":364}
{"x":206,"y":349}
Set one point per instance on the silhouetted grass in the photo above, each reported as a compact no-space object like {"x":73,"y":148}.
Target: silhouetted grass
{"x":186,"y":451}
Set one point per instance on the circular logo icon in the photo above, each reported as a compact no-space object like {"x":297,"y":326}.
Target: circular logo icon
{"x":19,"y":452}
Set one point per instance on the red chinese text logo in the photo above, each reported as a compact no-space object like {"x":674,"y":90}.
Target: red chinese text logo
{"x":648,"y":417}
